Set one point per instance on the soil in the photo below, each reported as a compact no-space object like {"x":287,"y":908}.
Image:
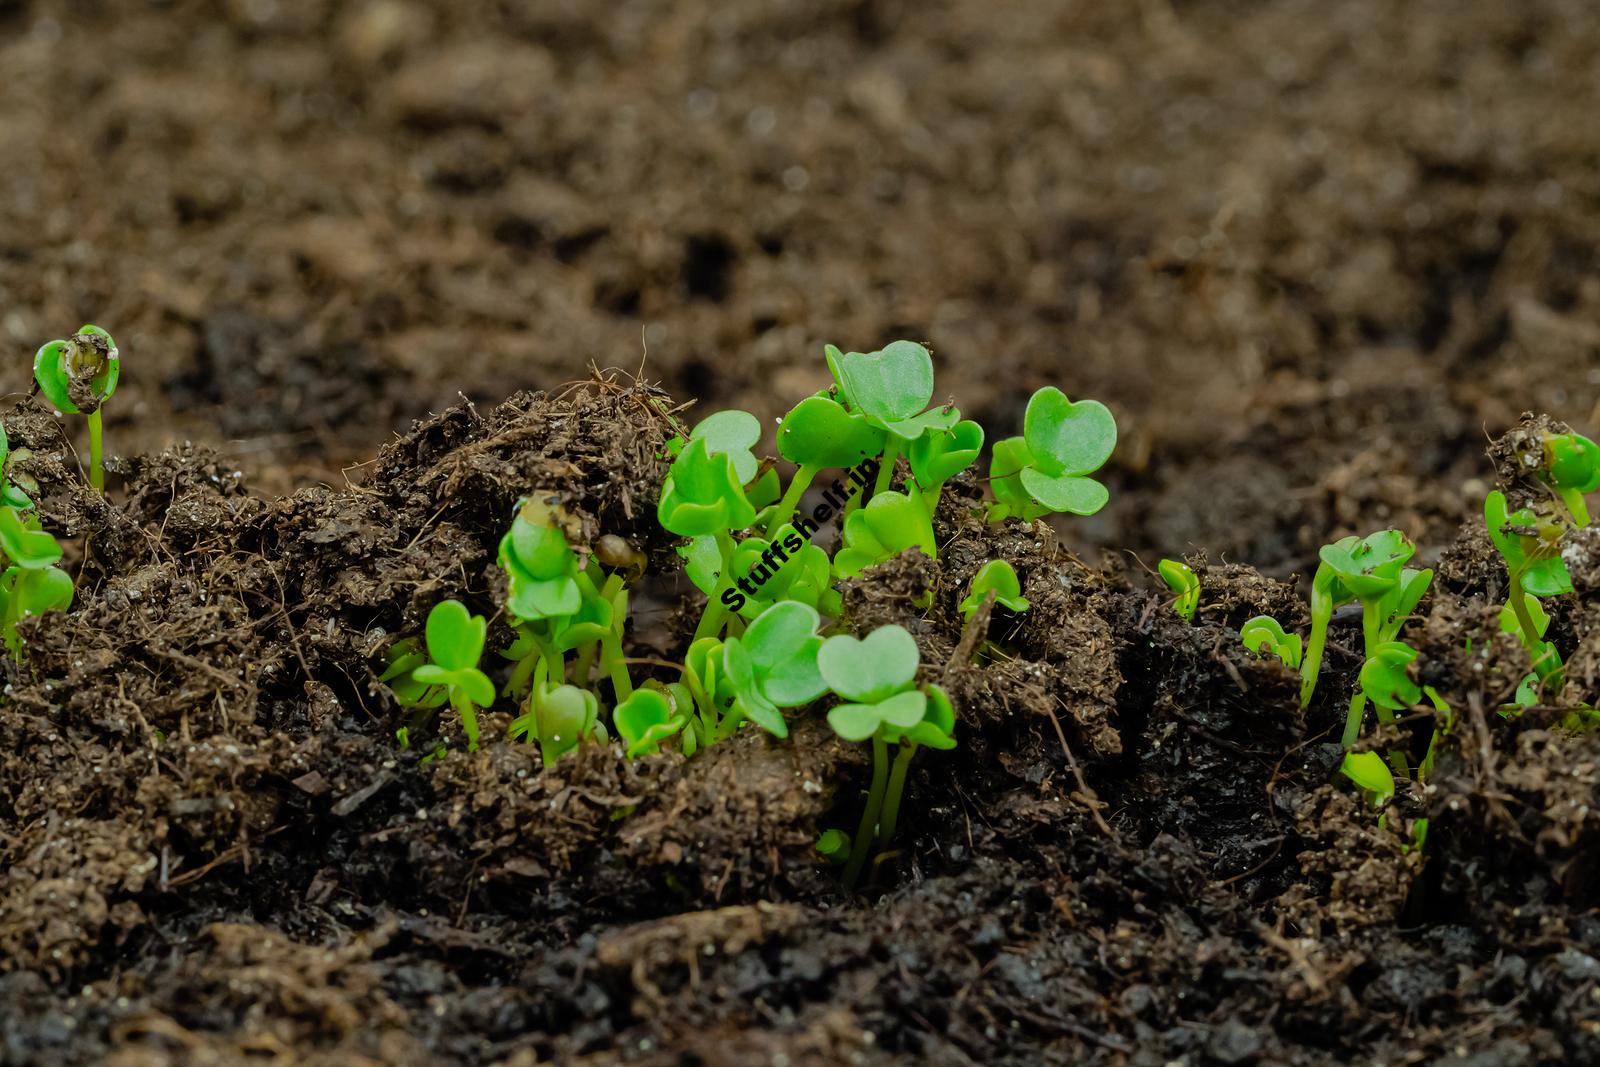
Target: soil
{"x":1313,"y":256}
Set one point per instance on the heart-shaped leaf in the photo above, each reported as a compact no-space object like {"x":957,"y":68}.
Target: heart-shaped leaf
{"x":890,"y":523}
{"x":1263,"y":634}
{"x":819,"y":432}
{"x":999,"y":577}
{"x":938,"y":457}
{"x":703,"y":494}
{"x":749,"y":699}
{"x":1065,"y":492}
{"x":870,"y":669}
{"x":1068,"y":438}
{"x":1384,"y":679}
{"x":733,"y":433}
{"x":42,"y":590}
{"x":454,"y":635}
{"x":1369,"y":567}
{"x":644,"y":720}
{"x":28,"y":548}
{"x":891,"y":385}
{"x":1367,"y":770}
{"x":783,"y":645}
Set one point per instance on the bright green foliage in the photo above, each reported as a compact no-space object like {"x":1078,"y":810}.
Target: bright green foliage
{"x":703,"y":494}
{"x":399,"y":674}
{"x":1047,"y":469}
{"x":1530,"y":544}
{"x":1384,"y":678}
{"x":31,"y":584}
{"x":939,"y":455}
{"x":890,"y":523}
{"x":773,"y":666}
{"x":1185,"y":586}
{"x":651,"y":716}
{"x":892,"y":388}
{"x":1572,"y":468}
{"x":834,"y":847}
{"x":822,"y":433}
{"x":997,"y":577}
{"x":78,"y":375}
{"x":560,"y":719}
{"x":540,"y":569}
{"x":1264,"y":634}
{"x":877,"y":677}
{"x":1371,"y":774}
{"x":455,"y":645}
{"x":15,"y":485}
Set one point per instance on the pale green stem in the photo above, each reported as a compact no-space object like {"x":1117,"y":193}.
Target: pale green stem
{"x":891,"y":799}
{"x":891,"y":456}
{"x":869,"y":815}
{"x":798,"y":485}
{"x":97,"y":472}
{"x":716,"y":611}
{"x":469,"y":718}
{"x":1321,"y":615}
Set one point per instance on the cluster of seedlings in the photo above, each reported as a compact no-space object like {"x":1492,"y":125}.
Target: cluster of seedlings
{"x":769,"y":639}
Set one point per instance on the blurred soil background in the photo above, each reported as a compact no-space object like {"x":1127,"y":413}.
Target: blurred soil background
{"x":1308,"y":252}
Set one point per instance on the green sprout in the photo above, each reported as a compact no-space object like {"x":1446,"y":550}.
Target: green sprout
{"x":1530,"y":544}
{"x":1047,"y":469}
{"x":834,"y":847}
{"x":78,"y":375}
{"x":819,"y":434}
{"x":890,"y":523}
{"x":1368,"y":771}
{"x":454,"y":638}
{"x":892,"y":389}
{"x":1572,"y":468}
{"x":704,"y":496}
{"x":996,"y":580}
{"x":559,"y":718}
{"x":31,"y":584}
{"x":15,"y":484}
{"x":877,"y":677}
{"x":1185,"y":586}
{"x":651,"y":716}
{"x":1264,"y":633}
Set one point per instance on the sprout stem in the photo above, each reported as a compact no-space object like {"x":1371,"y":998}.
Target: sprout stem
{"x":97,"y":472}
{"x":1540,"y":650}
{"x":891,"y":799}
{"x":791,"y":497}
{"x":716,"y":611}
{"x":891,"y":456}
{"x":862,"y":843}
{"x":617,"y":670}
{"x":469,"y":718}
{"x":1321,"y":615}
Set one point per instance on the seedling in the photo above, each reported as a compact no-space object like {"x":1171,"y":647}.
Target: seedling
{"x":455,"y":645}
{"x":1530,"y":544}
{"x":818,"y":434}
{"x":559,"y":718}
{"x":1047,"y":469}
{"x":31,"y":584}
{"x":1572,"y":468}
{"x":15,"y":484}
{"x":1264,"y":634}
{"x":877,"y":678}
{"x":998,"y":579}
{"x":1368,"y":771}
{"x":1185,"y":586}
{"x":834,"y":847}
{"x":772,"y":666}
{"x":890,"y":523}
{"x":892,"y":389}
{"x":651,"y":716}
{"x":78,"y":375}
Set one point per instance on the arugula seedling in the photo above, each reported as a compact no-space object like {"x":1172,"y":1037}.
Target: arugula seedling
{"x":703,"y":496}
{"x":834,"y":847}
{"x":1368,"y":771}
{"x":939,"y":455}
{"x":890,"y":523}
{"x":559,"y":718}
{"x":454,"y":638}
{"x":1385,"y":681}
{"x":892,"y":389}
{"x":1264,"y":633}
{"x":877,"y":677}
{"x":1572,"y":468}
{"x":78,"y":375}
{"x":1185,"y":586}
{"x":773,"y":666}
{"x":1530,"y":545}
{"x":1047,"y":469}
{"x":14,"y":484}
{"x":556,"y":604}
{"x":651,"y":716}
{"x":996,"y":578}
{"x":819,"y":434}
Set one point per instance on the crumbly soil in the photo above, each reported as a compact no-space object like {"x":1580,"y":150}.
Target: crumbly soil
{"x":1314,"y":257}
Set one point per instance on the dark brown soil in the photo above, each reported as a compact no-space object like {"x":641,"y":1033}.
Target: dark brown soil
{"x":1313,"y":256}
